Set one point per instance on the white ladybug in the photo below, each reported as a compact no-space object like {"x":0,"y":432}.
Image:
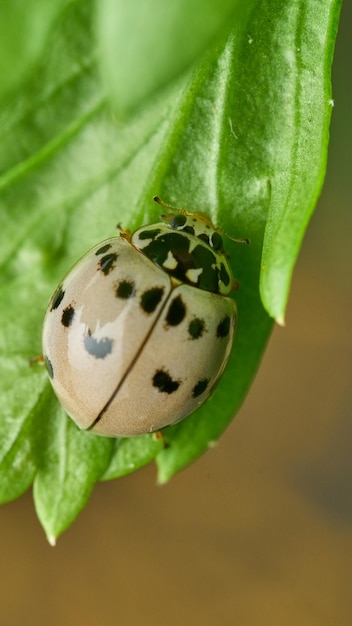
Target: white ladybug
{"x":140,"y":330}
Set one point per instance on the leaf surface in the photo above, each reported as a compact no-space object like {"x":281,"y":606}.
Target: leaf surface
{"x":242,"y":135}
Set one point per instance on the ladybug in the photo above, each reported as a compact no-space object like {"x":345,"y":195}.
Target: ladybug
{"x":140,"y":330}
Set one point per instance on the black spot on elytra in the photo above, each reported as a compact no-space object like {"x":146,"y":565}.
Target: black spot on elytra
{"x":107,"y":263}
{"x":200,"y":387}
{"x":49,"y":367}
{"x":99,"y":348}
{"x":223,"y":328}
{"x":103,"y":249}
{"x":163,"y":381}
{"x":176,"y":312}
{"x":57,"y":298}
{"x":151,"y":298}
{"x":125,"y":289}
{"x":196,"y":328}
{"x":67,"y":316}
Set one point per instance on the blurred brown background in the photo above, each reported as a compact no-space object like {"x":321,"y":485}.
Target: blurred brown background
{"x":259,"y":531}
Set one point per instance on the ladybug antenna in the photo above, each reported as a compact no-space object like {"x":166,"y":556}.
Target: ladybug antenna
{"x":164,"y":204}
{"x":236,"y":239}
{"x":169,"y":216}
{"x":203,"y":216}
{"x":169,"y":206}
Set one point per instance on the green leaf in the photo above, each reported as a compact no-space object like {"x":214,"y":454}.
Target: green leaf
{"x":16,"y":465}
{"x":227,"y":139}
{"x":298,"y":109}
{"x":21,"y":386}
{"x":69,"y":463}
{"x":156,"y":41}
{"x":24,"y":27}
{"x":131,"y":454}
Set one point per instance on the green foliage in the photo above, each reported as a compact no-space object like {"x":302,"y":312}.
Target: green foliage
{"x":157,"y":41}
{"x":238,"y":129}
{"x":24,"y":28}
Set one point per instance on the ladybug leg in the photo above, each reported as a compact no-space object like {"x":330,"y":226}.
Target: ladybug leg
{"x":235,"y":284}
{"x":125,"y":233}
{"x":39,"y":358}
{"x":159,"y":436}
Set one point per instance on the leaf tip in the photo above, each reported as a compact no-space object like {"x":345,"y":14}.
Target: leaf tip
{"x":162,"y":478}
{"x":52,"y":540}
{"x":280,"y":320}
